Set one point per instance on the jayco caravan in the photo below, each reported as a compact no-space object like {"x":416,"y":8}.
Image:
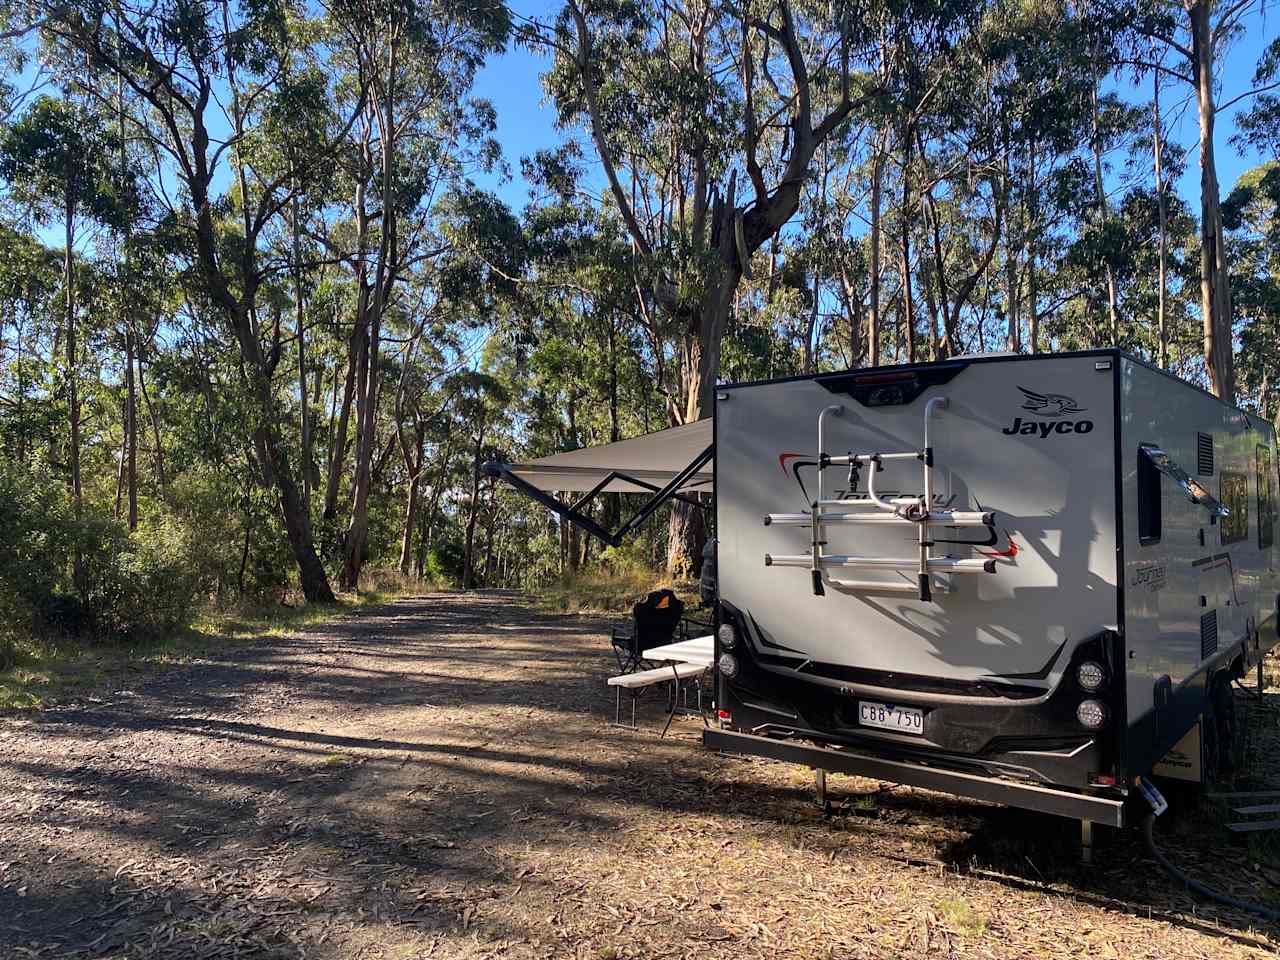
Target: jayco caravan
{"x":1018,"y":578}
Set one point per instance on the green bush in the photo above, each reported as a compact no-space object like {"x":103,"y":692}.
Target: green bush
{"x":209,"y":502}
{"x":129,"y":586}
{"x":140,"y":586}
{"x":37,"y":534}
{"x":444,"y":561}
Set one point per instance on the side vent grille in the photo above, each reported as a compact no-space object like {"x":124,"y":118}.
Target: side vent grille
{"x":1204,"y":455}
{"x":1208,"y":635}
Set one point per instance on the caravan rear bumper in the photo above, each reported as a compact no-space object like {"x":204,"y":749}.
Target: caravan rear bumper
{"x":980,"y":726}
{"x":1062,"y":803}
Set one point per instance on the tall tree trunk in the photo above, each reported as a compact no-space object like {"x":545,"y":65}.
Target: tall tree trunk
{"x":411,"y":505}
{"x":904,"y":251}
{"x":907,"y":317}
{"x":384,"y":276}
{"x":473,"y":512}
{"x":1030,"y":228}
{"x":297,"y":523}
{"x":1113,"y":316}
{"x":338,"y":441}
{"x":300,"y":323}
{"x":811,"y":326}
{"x":875,"y":241}
{"x":73,"y":392}
{"x":1162,"y":330}
{"x":1162,"y":214}
{"x":155,"y":428}
{"x":857,"y":319}
{"x":1215,"y":287}
{"x":1013,"y":292}
{"x":131,"y":429}
{"x":686,"y":533}
{"x":121,"y":457}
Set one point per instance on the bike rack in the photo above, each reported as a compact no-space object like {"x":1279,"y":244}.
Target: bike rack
{"x":914,"y":511}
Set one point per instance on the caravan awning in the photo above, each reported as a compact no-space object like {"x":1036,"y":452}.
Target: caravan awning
{"x":654,"y":458}
{"x":670,"y":464}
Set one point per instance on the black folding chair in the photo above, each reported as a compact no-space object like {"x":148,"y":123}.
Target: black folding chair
{"x":654,"y":621}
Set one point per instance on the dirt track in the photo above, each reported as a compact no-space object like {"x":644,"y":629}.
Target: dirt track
{"x":436,"y":778}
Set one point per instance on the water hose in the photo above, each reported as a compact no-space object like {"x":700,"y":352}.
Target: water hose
{"x":1195,"y":885}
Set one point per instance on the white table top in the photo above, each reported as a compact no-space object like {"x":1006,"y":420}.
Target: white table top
{"x":700,"y":650}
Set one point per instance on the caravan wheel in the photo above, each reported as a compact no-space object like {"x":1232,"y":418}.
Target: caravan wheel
{"x":1219,"y":729}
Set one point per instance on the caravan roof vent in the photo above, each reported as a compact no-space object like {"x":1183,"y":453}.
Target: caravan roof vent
{"x":1204,"y":454}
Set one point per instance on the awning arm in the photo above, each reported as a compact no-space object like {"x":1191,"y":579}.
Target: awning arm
{"x":573,"y":512}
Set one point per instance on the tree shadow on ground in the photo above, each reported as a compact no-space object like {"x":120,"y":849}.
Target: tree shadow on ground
{"x":209,"y":801}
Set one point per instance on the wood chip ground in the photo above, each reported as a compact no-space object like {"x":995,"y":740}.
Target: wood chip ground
{"x":437,"y":779}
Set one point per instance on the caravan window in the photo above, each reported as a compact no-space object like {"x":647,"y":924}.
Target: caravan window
{"x":1266,"y":498}
{"x":1151,"y":457}
{"x":1149,"y":514}
{"x":1235,"y":497}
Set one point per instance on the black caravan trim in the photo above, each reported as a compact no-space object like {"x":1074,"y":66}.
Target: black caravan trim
{"x":572,"y":512}
{"x":889,"y":387}
{"x":1028,"y":796}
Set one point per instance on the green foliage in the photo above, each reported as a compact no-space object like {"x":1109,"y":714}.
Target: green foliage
{"x":37,"y":536}
{"x":226,"y":567}
{"x":57,"y":160}
{"x":257,"y":235}
{"x":131,"y":587}
{"x":139,"y":586}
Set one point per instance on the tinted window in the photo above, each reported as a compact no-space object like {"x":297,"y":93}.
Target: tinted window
{"x":1266,"y":498}
{"x":1235,"y":497}
{"x":1149,"y":513}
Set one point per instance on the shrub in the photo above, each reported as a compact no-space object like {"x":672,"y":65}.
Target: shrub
{"x":130,"y":587}
{"x":214,"y":504}
{"x":36,"y":537}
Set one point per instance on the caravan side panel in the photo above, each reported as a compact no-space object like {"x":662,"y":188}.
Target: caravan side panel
{"x":1200,"y":596}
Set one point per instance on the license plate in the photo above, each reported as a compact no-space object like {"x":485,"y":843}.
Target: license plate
{"x":886,"y":716}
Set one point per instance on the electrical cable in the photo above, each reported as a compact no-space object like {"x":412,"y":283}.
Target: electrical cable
{"x":1195,"y":885}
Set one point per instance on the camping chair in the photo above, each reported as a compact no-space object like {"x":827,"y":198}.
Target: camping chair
{"x":654,"y":621}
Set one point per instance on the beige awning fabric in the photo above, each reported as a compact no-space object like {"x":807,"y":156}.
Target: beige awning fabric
{"x":656,"y":458}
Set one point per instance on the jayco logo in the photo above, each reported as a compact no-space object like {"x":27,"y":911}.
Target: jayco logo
{"x":1057,"y":406}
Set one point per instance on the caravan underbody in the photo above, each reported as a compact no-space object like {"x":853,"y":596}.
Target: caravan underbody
{"x":1021,"y":579}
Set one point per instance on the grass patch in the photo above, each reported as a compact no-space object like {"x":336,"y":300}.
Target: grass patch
{"x":603,"y":589}
{"x":961,"y":917}
{"x":43,"y":671}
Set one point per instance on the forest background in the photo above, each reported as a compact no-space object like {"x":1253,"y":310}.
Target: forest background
{"x":278,"y":276}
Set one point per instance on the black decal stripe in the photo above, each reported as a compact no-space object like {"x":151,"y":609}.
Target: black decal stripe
{"x":1042,"y":673}
{"x":764,"y":642}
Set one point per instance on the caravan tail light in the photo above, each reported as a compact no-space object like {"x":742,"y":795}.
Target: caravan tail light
{"x":1090,"y":676}
{"x":728,"y":666}
{"x":728,"y":636}
{"x":1092,"y":714}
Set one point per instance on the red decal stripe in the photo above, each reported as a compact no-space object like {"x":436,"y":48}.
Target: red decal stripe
{"x":1003,"y":554}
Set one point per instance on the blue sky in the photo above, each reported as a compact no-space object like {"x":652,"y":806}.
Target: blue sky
{"x":512,"y":82}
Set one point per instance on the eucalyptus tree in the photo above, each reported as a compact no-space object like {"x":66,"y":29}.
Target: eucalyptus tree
{"x":415,"y":135}
{"x":56,"y":161}
{"x":1187,"y":41}
{"x":705,"y":117}
{"x":29,"y":285}
{"x":199,"y":68}
{"x":1251,"y":213}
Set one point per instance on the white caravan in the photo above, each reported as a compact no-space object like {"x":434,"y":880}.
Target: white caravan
{"x":1018,"y":578}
